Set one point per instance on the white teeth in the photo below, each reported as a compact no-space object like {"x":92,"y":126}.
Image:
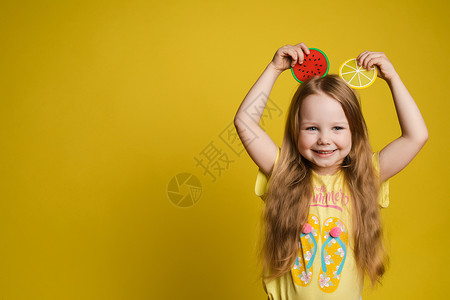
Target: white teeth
{"x":324,"y":152}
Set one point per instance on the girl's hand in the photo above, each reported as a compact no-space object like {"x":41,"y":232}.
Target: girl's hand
{"x":384,"y":67}
{"x":287,"y":56}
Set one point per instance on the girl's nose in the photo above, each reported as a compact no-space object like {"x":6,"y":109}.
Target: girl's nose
{"x":323,"y":140}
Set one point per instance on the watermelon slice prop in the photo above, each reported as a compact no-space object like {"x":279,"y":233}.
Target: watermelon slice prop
{"x":314,"y":64}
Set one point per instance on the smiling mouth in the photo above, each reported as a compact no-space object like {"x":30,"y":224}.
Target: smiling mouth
{"x":324,"y":152}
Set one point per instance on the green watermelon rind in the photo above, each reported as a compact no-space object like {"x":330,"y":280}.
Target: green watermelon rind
{"x":326,"y":72}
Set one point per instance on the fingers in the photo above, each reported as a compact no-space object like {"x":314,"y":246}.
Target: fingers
{"x":300,"y":50}
{"x":376,"y":60}
{"x":367,"y":59}
{"x":297,"y":53}
{"x":304,"y":48}
{"x":362,"y":56}
{"x":295,"y":56}
{"x":373,"y":61}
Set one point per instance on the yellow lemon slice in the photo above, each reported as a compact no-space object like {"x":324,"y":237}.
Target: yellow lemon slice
{"x":356,"y":76}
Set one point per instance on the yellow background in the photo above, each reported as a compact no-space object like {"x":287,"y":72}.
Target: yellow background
{"x":103,"y":102}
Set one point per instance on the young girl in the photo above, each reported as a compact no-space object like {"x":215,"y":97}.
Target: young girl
{"x":324,"y":187}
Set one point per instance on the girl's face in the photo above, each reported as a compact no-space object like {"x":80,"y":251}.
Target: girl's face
{"x":325,"y":138}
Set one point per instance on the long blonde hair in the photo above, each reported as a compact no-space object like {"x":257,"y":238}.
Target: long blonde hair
{"x":290,"y":189}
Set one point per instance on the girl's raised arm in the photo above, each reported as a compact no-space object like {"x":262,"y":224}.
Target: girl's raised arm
{"x":262,"y":149}
{"x":400,"y":152}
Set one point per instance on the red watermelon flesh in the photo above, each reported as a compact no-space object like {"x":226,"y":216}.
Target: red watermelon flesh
{"x":314,"y":64}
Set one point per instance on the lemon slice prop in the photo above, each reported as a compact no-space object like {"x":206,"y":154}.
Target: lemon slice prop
{"x":356,"y":76}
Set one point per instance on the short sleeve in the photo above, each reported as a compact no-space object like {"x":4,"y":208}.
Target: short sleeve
{"x":383,"y":196}
{"x":262,"y":179}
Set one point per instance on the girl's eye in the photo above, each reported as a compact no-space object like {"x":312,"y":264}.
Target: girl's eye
{"x":311,"y":128}
{"x":338,"y":128}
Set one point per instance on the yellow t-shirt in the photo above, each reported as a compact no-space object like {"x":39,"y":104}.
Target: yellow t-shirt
{"x":325,"y":267}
